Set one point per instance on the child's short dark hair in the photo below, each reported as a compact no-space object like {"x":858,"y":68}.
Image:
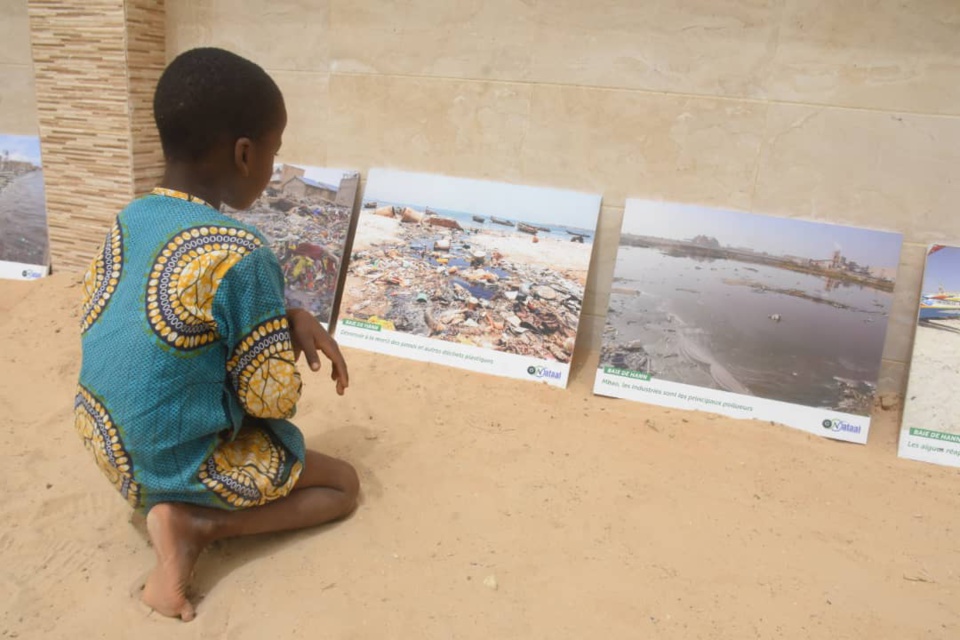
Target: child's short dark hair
{"x":207,"y":95}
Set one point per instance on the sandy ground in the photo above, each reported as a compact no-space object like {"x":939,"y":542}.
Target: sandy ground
{"x":931,"y":401}
{"x":598,"y":518}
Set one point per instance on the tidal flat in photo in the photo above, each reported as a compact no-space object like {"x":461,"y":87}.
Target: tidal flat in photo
{"x":782,"y":309}
{"x":491,"y":265}
{"x":305,"y":212}
{"x":23,"y":210}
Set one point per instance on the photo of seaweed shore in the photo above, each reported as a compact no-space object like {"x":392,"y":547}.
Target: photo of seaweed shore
{"x":490,"y":265}
{"x":305,"y":213}
{"x":23,"y":209}
{"x":782,"y":309}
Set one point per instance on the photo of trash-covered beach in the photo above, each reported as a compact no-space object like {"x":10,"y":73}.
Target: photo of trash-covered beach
{"x":481,"y":264}
{"x":23,"y":211}
{"x":782,"y":309}
{"x":305,"y":212}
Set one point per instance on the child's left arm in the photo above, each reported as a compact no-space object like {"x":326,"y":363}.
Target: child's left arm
{"x":250,"y":316}
{"x":308,"y":336}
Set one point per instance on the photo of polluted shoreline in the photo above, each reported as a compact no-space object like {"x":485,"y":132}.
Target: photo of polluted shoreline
{"x":23,"y":212}
{"x":500,"y":267}
{"x":781,"y":309}
{"x":306,"y":212}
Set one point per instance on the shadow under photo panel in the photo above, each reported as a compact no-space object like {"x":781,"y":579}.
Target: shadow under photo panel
{"x":24,"y":250}
{"x":306,"y":212}
{"x":474,"y":274}
{"x":750,"y":316}
{"x":930,"y":431}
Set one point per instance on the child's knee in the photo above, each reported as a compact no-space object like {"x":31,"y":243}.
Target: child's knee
{"x":350,"y":482}
{"x":349,"y":486}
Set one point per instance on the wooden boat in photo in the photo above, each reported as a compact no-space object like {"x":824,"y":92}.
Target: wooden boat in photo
{"x":940,"y":306}
{"x":939,"y":312}
{"x":411,"y":216}
{"x":527,"y":228}
{"x":497,"y":220}
{"x":479,"y":219}
{"x":440,"y":221}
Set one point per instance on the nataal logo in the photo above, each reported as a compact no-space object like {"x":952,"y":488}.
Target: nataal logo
{"x":31,"y":274}
{"x":541,"y":372}
{"x":841,"y":425}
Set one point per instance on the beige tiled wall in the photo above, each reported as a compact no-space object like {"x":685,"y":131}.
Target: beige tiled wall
{"x":846,"y":112}
{"x":146,"y":58}
{"x":18,"y":107}
{"x":79,"y":57}
{"x":843,"y":112}
{"x":96,"y":62}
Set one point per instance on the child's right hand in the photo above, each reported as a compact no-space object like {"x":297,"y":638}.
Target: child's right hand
{"x":308,"y":336}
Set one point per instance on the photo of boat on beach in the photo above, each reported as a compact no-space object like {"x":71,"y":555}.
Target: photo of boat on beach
{"x":749,"y":315}
{"x":24,"y":253}
{"x":475,"y":274}
{"x":306,"y":212}
{"x":930,"y":430}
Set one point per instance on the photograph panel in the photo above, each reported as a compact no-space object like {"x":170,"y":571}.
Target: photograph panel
{"x":483,"y":266}
{"x":930,"y":430}
{"x":24,"y":249}
{"x":783,"y":310}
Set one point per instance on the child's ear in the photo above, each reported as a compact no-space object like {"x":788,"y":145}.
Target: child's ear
{"x":241,"y":155}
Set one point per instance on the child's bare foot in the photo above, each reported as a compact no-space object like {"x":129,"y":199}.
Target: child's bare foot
{"x":178,"y":536}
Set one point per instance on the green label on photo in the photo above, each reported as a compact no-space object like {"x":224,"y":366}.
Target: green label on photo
{"x":626,"y":373}
{"x":935,"y":435}
{"x":360,"y":324}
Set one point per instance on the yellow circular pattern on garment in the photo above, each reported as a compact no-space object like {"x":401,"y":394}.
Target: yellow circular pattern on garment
{"x":184,"y":281}
{"x":263,"y":371}
{"x":101,"y":278}
{"x":101,"y":436}
{"x":251,"y":470}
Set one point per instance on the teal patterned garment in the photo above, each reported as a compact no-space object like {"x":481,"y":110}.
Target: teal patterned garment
{"x":188,"y":374}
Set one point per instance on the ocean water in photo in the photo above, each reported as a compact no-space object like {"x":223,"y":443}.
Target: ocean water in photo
{"x":749,"y":328}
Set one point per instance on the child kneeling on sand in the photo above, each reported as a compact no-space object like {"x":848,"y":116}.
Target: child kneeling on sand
{"x":189,"y":353}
